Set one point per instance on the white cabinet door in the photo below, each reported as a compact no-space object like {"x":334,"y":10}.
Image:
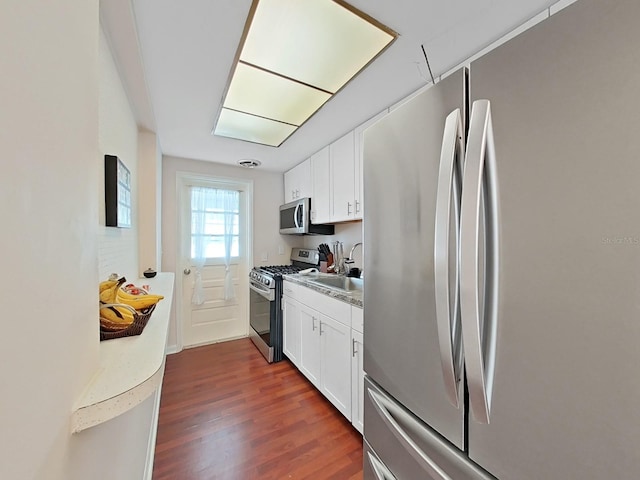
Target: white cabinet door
{"x":291,"y":329}
{"x":310,"y":345}
{"x":359,"y":163}
{"x":303,"y":175}
{"x":321,"y":186}
{"x":289,"y":186}
{"x":342,"y":161}
{"x":297,"y":182}
{"x":335,"y":351}
{"x":357,"y":381}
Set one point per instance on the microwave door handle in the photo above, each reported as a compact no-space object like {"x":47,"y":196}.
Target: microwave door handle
{"x":479,"y":329}
{"x":295,"y":215}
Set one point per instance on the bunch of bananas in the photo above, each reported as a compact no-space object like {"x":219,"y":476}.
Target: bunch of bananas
{"x":118,"y":308}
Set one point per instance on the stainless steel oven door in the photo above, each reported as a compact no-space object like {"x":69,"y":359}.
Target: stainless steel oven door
{"x":261,"y":308}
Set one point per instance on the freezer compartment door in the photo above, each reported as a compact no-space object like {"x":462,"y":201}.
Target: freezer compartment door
{"x":408,"y":448}
{"x":565,"y":109}
{"x":373,"y":468}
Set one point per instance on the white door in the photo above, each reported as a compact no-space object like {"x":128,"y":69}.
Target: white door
{"x":207,"y":316}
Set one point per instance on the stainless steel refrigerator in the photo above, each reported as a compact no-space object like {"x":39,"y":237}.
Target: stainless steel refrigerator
{"x":502,"y":291}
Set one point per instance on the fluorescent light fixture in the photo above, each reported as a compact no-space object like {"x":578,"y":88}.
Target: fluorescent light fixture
{"x":293,"y":57}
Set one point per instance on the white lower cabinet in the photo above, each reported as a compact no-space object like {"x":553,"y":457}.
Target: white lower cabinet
{"x":291,"y":329}
{"x":324,"y":350}
{"x":357,"y":369}
{"x":310,"y":351}
{"x":335,"y":351}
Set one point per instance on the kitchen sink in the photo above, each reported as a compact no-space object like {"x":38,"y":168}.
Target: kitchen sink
{"x":348,"y":284}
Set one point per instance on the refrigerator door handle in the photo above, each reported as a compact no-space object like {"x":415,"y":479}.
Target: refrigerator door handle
{"x":386,"y":410}
{"x":448,"y":198}
{"x":381,"y":472}
{"x":479,"y":328}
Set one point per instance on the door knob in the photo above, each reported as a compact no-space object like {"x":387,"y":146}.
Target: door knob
{"x":187,"y":271}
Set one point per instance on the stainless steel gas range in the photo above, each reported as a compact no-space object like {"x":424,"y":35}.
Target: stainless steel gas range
{"x":265,"y":308}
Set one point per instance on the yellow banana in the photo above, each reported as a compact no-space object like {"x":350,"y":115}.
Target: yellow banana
{"x":108,"y":295}
{"x":139,"y":302}
{"x":118,"y":314}
{"x":107,"y":284}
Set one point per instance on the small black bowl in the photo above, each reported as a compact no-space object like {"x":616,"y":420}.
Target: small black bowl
{"x":149,"y":273}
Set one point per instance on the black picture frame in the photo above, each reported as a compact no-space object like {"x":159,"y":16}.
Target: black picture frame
{"x":117,"y":193}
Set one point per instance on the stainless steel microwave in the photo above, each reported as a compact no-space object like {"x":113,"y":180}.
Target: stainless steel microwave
{"x":295,"y":219}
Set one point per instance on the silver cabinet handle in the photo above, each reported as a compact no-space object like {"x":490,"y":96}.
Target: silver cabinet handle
{"x":313,"y":324}
{"x":381,"y":472}
{"x":348,"y":208}
{"x":354,"y":348}
{"x":448,"y":197}
{"x":387,"y":410}
{"x":320,"y":324}
{"x":357,"y":206}
{"x":297,"y":193}
{"x":479,"y":333}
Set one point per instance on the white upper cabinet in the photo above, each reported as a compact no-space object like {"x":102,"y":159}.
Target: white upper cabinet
{"x":333,"y":178}
{"x":297,"y":182}
{"x":342,"y":162}
{"x":359,"y":164}
{"x":321,"y":187}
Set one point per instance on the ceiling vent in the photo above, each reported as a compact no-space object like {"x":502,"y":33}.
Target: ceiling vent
{"x":249,"y":163}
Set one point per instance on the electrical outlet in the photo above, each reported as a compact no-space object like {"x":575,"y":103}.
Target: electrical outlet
{"x":280,"y":249}
{"x":265,"y":256}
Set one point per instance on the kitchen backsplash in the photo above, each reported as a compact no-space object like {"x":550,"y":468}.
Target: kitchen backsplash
{"x":347,"y":233}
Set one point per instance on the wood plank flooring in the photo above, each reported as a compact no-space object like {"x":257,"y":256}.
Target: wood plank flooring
{"x":227,"y":414}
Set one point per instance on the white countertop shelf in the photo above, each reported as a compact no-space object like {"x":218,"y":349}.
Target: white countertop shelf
{"x":130,"y":368}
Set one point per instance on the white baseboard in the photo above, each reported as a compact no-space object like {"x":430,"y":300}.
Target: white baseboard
{"x":171,"y":349}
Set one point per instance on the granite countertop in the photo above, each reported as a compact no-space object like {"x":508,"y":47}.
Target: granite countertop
{"x":354,"y":297}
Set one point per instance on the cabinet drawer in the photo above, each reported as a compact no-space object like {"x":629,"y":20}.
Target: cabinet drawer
{"x":292,"y":290}
{"x":357,"y":319}
{"x":331,"y":307}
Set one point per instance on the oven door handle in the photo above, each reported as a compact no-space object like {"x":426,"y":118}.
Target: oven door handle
{"x":268,"y":293}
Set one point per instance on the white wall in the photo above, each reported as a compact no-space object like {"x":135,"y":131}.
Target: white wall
{"x":268,"y":195}
{"x":49,"y":217}
{"x":149,"y":201}
{"x":118,"y":135}
{"x":63,"y":108}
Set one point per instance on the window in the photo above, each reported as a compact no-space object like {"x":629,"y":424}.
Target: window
{"x":215,"y":220}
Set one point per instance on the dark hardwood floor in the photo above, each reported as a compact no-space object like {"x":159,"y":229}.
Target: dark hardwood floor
{"x":227,"y":414}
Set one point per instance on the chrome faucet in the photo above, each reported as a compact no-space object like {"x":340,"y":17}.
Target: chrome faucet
{"x":349,"y":261}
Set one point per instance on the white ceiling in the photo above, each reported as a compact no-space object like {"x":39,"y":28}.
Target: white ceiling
{"x":175,"y":58}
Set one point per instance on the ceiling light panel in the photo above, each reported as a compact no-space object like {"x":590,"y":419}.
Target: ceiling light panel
{"x":267,"y":95}
{"x":254,"y":129}
{"x":294,"y":55}
{"x":318,"y":42}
